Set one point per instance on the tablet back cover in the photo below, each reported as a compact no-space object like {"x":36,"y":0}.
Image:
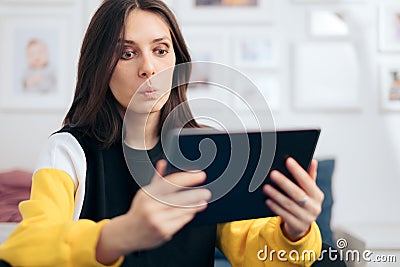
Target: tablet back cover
{"x":237,"y":166}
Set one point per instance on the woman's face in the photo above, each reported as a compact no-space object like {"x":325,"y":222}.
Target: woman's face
{"x":148,"y":50}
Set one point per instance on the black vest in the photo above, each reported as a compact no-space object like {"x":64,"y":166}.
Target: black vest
{"x":109,"y":191}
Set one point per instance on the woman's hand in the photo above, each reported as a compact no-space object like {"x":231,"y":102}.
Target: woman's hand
{"x":302,"y":203}
{"x":157,"y":212}
{"x":160,"y":215}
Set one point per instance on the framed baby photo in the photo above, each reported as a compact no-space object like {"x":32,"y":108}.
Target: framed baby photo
{"x":389,"y":28}
{"x":390,"y":87}
{"x":37,"y":62}
{"x":210,"y":11}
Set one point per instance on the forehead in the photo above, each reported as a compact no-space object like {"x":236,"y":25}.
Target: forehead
{"x":37,"y":45}
{"x":145,"y":25}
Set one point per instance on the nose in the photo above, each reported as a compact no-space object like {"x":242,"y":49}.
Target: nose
{"x":146,"y":69}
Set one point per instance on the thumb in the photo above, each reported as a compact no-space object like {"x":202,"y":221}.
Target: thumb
{"x":313,"y":169}
{"x":161,"y":166}
{"x":155,"y":186}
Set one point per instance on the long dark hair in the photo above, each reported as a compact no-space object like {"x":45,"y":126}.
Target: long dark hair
{"x":94,"y":109}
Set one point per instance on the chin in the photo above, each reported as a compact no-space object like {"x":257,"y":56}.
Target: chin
{"x":144,"y":109}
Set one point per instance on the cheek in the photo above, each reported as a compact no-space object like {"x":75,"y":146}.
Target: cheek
{"x":122,"y":84}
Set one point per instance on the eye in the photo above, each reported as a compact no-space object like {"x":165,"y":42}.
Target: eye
{"x":128,"y":54}
{"x":161,"y":52}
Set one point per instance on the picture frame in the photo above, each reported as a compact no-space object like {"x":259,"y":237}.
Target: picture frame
{"x":262,"y":90}
{"x":256,"y":48}
{"x":37,"y":1}
{"x":389,"y":28}
{"x":326,"y":77}
{"x":209,"y":58}
{"x":313,"y":1}
{"x":390,"y":87}
{"x":328,"y":23}
{"x":327,"y":1}
{"x":226,"y":11}
{"x":37,"y":66}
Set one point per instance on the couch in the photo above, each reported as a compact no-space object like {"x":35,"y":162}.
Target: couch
{"x":16,"y":185}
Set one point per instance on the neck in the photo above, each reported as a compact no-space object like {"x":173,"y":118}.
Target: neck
{"x":142,"y":130}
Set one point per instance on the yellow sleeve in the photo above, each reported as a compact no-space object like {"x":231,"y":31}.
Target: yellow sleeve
{"x":47,"y":235}
{"x":261,"y":242}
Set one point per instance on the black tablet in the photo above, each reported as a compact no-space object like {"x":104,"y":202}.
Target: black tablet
{"x":237,"y":165}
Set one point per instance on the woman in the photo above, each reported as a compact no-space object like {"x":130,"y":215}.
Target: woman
{"x":82,"y":179}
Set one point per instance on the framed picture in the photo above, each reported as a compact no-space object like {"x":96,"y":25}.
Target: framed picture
{"x":260,"y":91}
{"x":210,"y":58}
{"x":328,"y":23}
{"x":226,"y":10}
{"x":37,"y":1}
{"x":201,"y":48}
{"x":390,"y":87}
{"x":326,"y":76}
{"x":389,"y":28}
{"x":314,"y":1}
{"x":327,"y":1}
{"x":36,"y":61}
{"x":256,"y":48}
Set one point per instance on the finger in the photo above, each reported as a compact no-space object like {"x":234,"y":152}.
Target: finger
{"x":291,"y":189}
{"x":289,"y":204}
{"x":176,"y":182}
{"x":186,"y":179}
{"x":313,"y":169}
{"x":303,"y":178}
{"x":172,"y":222}
{"x":174,"y":213}
{"x":177,"y":219}
{"x":188,"y":198}
{"x":161,"y":166}
{"x":173,"y":182}
{"x":312,"y":207}
{"x":298,"y":227}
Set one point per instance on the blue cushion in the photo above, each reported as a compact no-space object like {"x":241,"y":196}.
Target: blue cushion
{"x":324,"y":181}
{"x":220,"y":259}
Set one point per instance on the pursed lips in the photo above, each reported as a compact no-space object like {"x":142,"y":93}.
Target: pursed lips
{"x":149,"y":92}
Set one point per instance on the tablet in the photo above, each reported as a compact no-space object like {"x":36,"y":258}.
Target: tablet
{"x":237,"y":165}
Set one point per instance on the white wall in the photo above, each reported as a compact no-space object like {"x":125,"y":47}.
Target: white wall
{"x":364,"y":142}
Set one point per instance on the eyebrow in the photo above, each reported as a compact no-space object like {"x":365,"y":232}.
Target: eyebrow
{"x":152,"y":42}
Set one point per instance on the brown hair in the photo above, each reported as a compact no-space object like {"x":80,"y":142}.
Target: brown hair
{"x":94,"y":109}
